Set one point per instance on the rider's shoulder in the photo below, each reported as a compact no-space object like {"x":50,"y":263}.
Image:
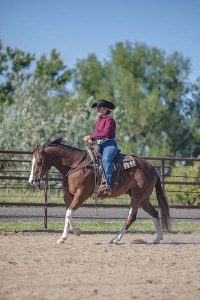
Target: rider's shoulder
{"x":109,"y":117}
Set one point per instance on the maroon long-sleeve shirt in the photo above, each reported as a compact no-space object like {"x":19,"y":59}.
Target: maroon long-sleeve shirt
{"x":105,"y":128}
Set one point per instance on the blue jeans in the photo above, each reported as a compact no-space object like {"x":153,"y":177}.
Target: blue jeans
{"x":109,"y":150}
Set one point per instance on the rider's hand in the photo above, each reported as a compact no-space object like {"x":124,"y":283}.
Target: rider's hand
{"x":86,"y":138}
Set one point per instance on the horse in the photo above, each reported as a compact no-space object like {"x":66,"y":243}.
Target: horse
{"x":79,"y":183}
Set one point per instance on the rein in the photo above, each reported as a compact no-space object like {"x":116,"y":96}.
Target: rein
{"x":79,"y":166}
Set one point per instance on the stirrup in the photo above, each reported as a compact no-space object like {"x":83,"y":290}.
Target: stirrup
{"x":108,"y":190}
{"x":104,"y":187}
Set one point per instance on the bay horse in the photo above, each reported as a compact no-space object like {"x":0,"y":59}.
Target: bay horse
{"x":79,"y":183}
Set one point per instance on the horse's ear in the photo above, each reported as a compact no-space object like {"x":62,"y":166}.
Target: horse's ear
{"x":35,"y":148}
{"x":57,"y":141}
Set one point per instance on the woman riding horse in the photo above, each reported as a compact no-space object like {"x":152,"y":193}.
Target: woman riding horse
{"x":105,"y":136}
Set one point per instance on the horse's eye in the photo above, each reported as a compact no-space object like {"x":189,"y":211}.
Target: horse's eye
{"x":39,"y":163}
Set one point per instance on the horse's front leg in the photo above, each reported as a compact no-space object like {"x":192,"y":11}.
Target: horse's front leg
{"x":68,"y":198}
{"x":69,"y":224}
{"x":81,"y":193}
{"x":66,"y":227}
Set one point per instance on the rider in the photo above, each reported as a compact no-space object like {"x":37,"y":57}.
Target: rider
{"x":105,"y":136}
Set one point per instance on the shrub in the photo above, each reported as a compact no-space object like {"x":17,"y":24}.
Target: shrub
{"x":185,"y":194}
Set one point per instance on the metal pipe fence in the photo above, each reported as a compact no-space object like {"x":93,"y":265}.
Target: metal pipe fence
{"x":12,"y":178}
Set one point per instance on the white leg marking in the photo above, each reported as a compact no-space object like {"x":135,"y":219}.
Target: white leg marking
{"x":158,"y":231}
{"x":69,"y":224}
{"x":130,"y":212}
{"x":32,"y":169}
{"x":120,"y":234}
{"x":118,"y":237}
{"x":66,"y":227}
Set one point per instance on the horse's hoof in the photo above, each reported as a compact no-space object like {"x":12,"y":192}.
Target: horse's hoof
{"x":156,"y":241}
{"x":60,"y":241}
{"x":114,"y":241}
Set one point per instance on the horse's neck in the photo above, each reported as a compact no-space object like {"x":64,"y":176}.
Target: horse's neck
{"x":63,"y":157}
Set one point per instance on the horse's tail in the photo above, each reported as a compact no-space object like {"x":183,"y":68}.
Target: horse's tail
{"x":164,"y":207}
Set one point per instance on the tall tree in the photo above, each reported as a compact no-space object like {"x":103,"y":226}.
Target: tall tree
{"x":195,"y":119}
{"x":89,"y":76}
{"x":36,"y":115}
{"x":53,"y":70}
{"x":14,"y":67}
{"x":17,"y":66}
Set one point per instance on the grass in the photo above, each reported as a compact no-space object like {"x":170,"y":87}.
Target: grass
{"x":99,"y":226}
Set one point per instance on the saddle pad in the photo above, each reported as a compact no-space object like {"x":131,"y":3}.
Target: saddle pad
{"x":128,"y":162}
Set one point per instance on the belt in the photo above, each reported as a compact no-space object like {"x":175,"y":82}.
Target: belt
{"x":103,"y":140}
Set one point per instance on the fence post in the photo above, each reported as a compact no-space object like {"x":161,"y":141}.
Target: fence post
{"x":163,"y":172}
{"x":46,"y":201}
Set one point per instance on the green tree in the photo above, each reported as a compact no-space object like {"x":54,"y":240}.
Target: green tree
{"x":184,"y":194}
{"x":36,"y":116}
{"x":195,"y":119}
{"x":17,"y":66}
{"x":14,"y":66}
{"x":53,"y":71}
{"x":89,"y":77}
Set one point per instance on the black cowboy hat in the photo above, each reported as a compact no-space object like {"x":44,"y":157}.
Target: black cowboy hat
{"x":104,"y":103}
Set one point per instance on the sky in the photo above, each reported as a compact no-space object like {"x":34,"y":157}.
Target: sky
{"x":77,"y":28}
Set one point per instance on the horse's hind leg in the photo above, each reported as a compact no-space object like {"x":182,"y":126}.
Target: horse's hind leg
{"x":130,"y":219}
{"x":148,"y":207}
{"x":132,"y":214}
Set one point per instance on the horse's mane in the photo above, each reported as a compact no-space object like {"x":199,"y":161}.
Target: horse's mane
{"x":58,"y":142}
{"x":55,"y":142}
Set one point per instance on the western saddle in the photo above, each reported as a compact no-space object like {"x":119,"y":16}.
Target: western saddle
{"x":120,"y":162}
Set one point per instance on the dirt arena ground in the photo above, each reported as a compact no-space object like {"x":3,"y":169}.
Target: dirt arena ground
{"x":32,"y":266}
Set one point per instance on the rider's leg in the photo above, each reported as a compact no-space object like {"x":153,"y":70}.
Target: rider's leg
{"x":109,"y":149}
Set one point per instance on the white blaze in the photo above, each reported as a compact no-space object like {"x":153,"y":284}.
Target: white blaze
{"x":32,"y":169}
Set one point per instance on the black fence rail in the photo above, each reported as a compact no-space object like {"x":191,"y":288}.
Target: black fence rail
{"x":15,"y":167}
